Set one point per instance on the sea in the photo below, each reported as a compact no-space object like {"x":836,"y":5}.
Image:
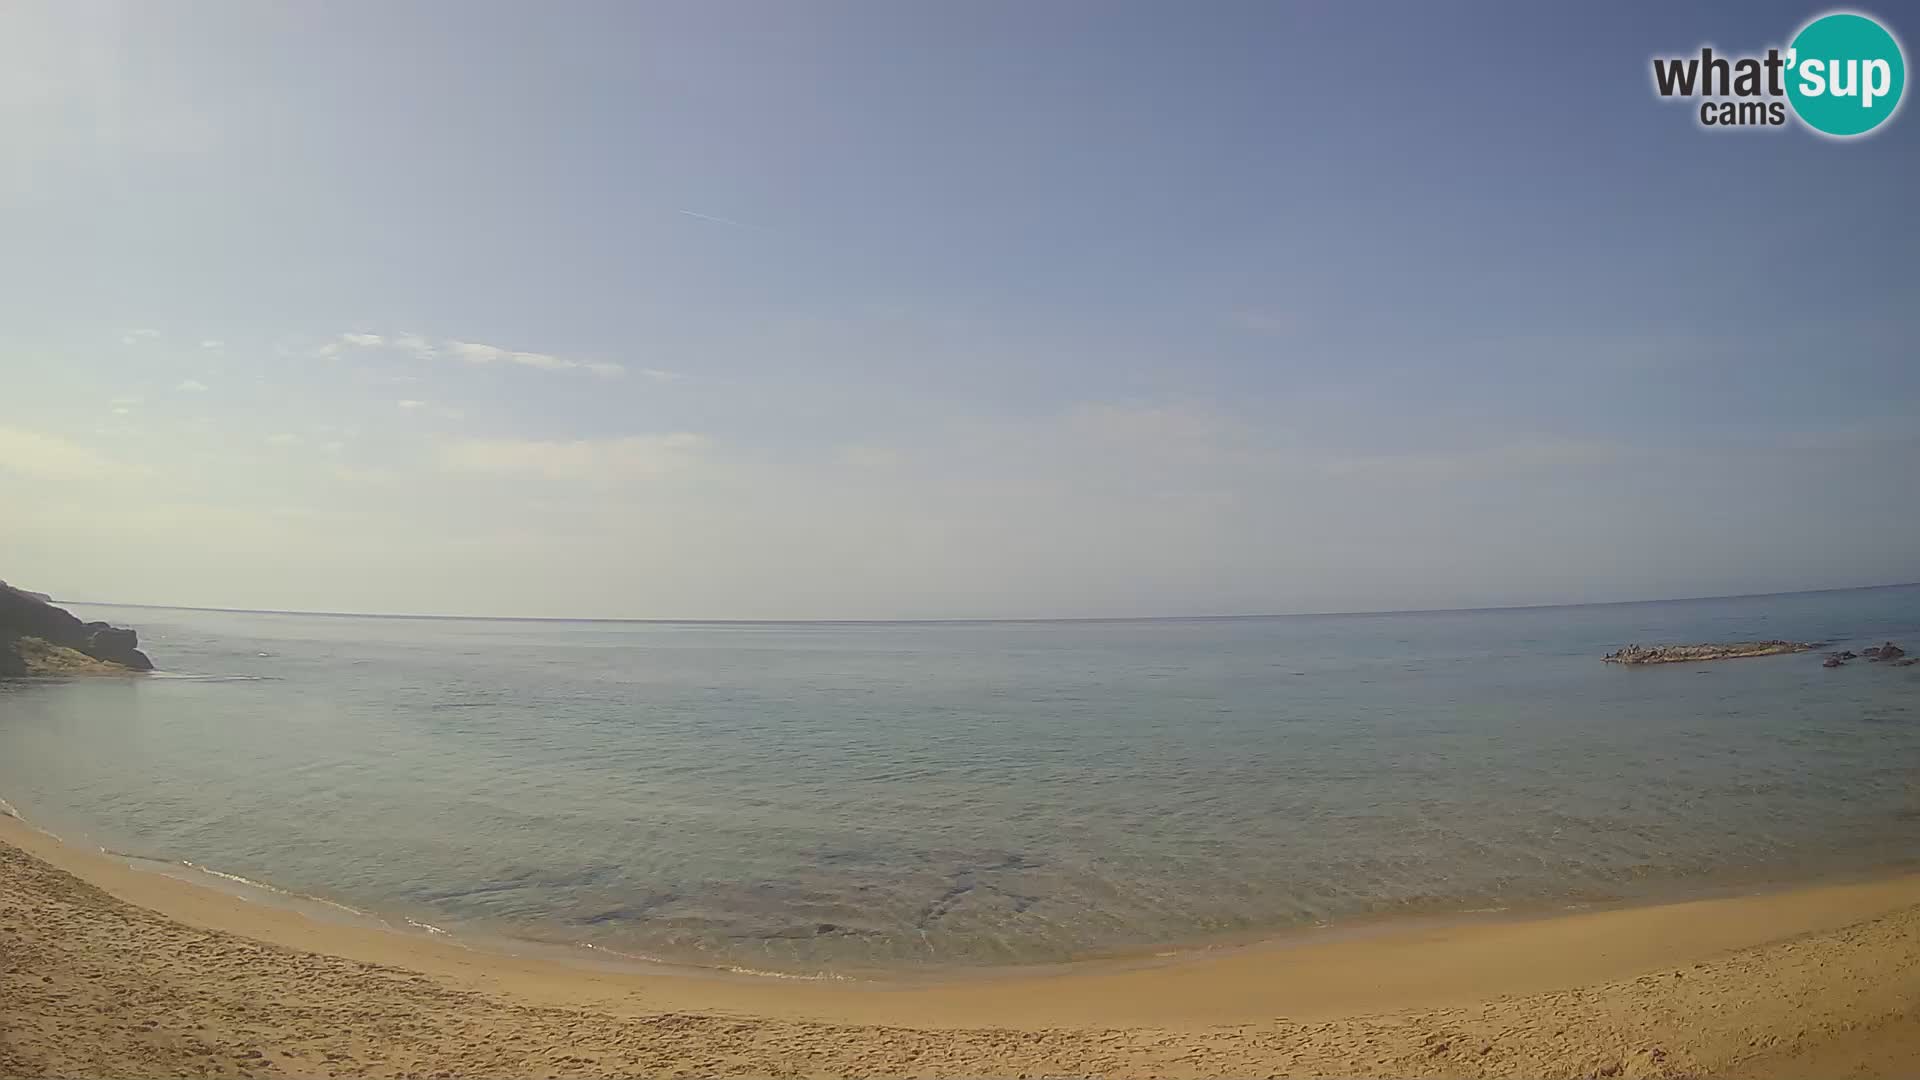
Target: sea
{"x":841,"y":800}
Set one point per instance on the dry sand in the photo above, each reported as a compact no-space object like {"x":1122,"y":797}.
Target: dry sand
{"x":106,"y":970}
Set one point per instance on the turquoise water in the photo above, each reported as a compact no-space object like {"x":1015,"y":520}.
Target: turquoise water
{"x":846,"y":797}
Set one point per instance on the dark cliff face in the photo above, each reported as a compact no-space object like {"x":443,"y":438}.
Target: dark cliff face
{"x":25,"y":615}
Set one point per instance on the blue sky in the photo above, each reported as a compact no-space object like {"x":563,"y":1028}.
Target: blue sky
{"x":902,"y":310}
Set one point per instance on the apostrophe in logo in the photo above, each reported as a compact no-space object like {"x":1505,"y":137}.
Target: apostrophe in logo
{"x":1845,"y":74}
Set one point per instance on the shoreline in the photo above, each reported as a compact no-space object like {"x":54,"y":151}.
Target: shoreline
{"x":1177,"y":952}
{"x":1689,"y":988}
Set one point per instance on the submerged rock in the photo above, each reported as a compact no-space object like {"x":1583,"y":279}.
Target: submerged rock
{"x":1833,"y":661}
{"x":1685,"y":654}
{"x":1889,"y":651}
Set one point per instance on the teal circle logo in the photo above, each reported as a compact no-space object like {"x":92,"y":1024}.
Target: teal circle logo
{"x":1845,"y":73}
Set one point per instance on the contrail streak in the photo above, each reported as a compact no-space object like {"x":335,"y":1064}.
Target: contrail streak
{"x":715,"y":220}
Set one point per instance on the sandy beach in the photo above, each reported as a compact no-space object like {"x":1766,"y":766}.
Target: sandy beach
{"x":106,"y":969}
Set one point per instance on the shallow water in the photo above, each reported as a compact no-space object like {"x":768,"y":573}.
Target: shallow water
{"x":825,"y":797}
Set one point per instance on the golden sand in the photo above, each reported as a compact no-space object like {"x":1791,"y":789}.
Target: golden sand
{"x":110,"y":970}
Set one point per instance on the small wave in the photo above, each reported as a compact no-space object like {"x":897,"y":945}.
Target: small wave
{"x":428,"y":927}
{"x":184,"y":676}
{"x":276,"y":890}
{"x":7,"y":810}
{"x":642,"y":957}
{"x":821,"y":976}
{"x":136,"y":856}
{"x":230,"y":877}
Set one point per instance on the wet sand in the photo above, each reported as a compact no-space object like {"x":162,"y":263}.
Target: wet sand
{"x":110,"y":970}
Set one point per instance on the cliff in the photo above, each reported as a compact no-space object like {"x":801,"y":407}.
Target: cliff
{"x":37,"y":638}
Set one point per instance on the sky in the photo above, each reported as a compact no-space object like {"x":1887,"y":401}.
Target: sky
{"x":926,"y":310}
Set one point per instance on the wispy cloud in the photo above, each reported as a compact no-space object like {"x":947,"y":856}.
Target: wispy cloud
{"x":213,"y":343}
{"x":482,"y":354}
{"x":715,"y":218}
{"x":191,"y":386}
{"x":135,"y":337}
{"x":871,"y":457}
{"x":1163,"y":432}
{"x":414,"y":405}
{"x":284,"y":438}
{"x":33,"y":454}
{"x":1486,"y":460}
{"x":415,"y":344}
{"x":474,"y":352}
{"x":1264,"y":321}
{"x":626,"y":456}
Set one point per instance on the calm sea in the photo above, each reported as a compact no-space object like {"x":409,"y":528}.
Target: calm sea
{"x":847,"y":797}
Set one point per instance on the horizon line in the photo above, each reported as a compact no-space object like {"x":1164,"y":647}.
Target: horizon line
{"x":983,"y":619}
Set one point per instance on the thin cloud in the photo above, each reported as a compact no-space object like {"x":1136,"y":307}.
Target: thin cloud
{"x":578,"y":459}
{"x":474,"y":352}
{"x":135,"y":337}
{"x":411,"y":342}
{"x":716,"y":219}
{"x":191,"y":386}
{"x":1541,"y":454}
{"x":213,"y":343}
{"x":871,"y":457}
{"x":1274,"y":323}
{"x":414,"y":405}
{"x":34,"y":454}
{"x":481,"y":354}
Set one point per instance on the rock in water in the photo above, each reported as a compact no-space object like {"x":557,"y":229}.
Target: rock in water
{"x":115,"y":645}
{"x":24,"y":618}
{"x":1686,"y":654}
{"x":1889,"y":651}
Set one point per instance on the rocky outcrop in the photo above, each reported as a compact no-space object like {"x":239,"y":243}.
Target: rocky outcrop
{"x":38,"y":638}
{"x":1687,"y":654}
{"x":40,"y":596}
{"x":1889,"y":651}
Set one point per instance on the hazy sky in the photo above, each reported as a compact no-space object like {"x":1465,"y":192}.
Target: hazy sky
{"x":903,"y":309}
